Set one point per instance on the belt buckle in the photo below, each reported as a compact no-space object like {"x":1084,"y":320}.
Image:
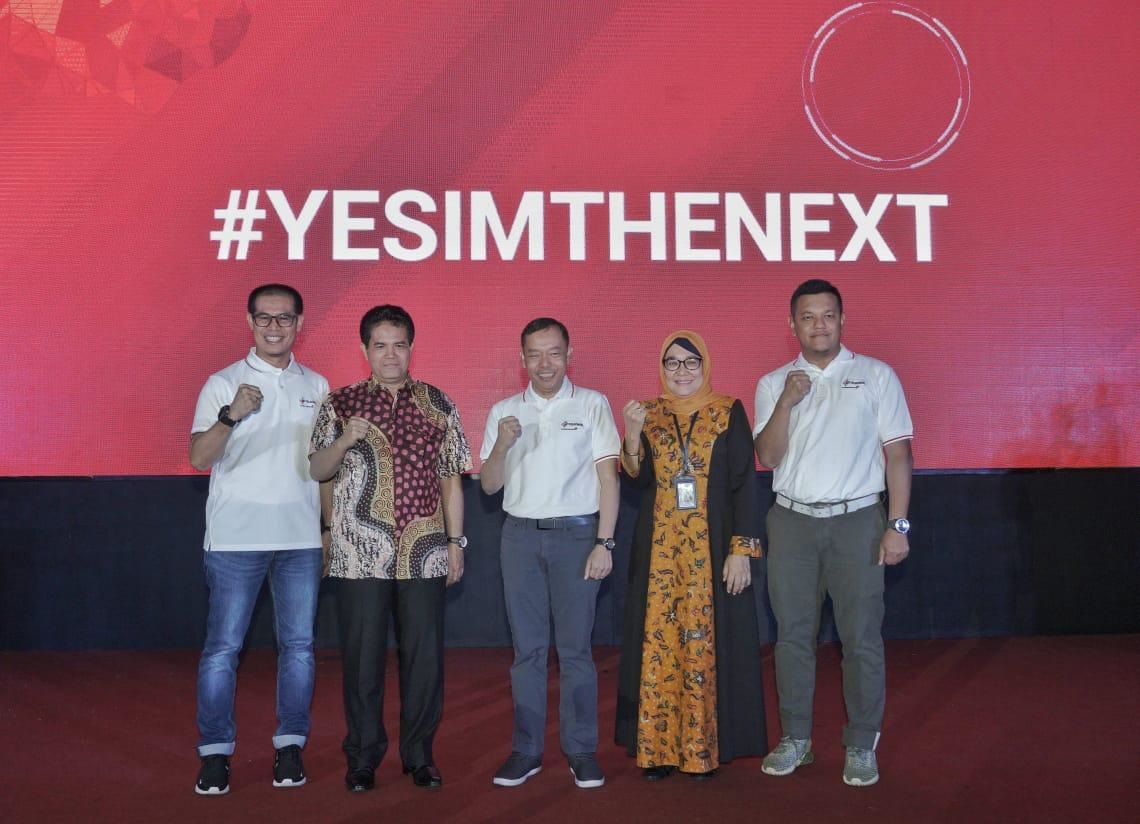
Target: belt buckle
{"x":546,"y":523}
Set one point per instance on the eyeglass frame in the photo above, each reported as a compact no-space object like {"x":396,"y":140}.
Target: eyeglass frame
{"x":691,"y":363}
{"x":286,"y":320}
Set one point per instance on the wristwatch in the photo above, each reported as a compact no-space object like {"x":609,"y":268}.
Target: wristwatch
{"x":608,"y":543}
{"x":224,"y":416}
{"x":900,"y":525}
{"x":460,"y":541}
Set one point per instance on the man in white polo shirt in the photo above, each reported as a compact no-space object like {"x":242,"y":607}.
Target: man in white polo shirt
{"x":554,"y":449}
{"x":835,"y":428}
{"x":251,"y":429}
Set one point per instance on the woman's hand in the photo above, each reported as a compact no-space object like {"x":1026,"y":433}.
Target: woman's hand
{"x":634,"y":415}
{"x":737,"y":574}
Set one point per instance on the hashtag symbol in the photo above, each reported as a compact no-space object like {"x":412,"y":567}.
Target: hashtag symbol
{"x":237,"y":224}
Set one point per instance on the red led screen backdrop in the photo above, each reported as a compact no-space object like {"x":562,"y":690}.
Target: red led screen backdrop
{"x":964,"y":172}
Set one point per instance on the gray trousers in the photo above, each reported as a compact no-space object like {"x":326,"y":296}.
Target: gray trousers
{"x":808,"y":558}
{"x":543,"y":577}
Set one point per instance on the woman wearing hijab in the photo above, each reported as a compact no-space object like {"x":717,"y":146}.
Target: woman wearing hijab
{"x":690,"y":696}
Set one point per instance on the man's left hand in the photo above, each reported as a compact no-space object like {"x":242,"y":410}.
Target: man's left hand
{"x":599,"y":564}
{"x":454,"y":564}
{"x":893,"y":548}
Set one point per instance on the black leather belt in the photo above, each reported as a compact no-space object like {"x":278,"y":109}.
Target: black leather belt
{"x":561,"y":522}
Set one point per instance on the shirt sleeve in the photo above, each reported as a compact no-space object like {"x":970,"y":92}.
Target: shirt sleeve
{"x":765,"y":404}
{"x":604,"y":440}
{"x":894,"y":416}
{"x":214,"y":395}
{"x":491,"y":432}
{"x":326,"y":429}
{"x":454,"y":453}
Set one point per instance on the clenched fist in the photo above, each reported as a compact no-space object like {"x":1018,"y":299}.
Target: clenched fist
{"x":796,"y":387}
{"x":355,"y":429}
{"x":510,"y":430}
{"x":634,"y":415}
{"x":246,"y":401}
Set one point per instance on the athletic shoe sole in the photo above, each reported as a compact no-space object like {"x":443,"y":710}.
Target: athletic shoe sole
{"x":587,"y":785}
{"x":806,"y":759}
{"x":855,"y":782}
{"x":289,"y":782}
{"x":514,"y":782}
{"x":212,"y":790}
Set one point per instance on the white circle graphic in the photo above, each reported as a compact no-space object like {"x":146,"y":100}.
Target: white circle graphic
{"x":866,"y":157}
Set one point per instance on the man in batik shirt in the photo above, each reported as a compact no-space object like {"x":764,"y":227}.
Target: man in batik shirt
{"x":395,"y":450}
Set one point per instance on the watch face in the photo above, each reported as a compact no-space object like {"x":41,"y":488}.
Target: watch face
{"x":461,"y":541}
{"x":901,"y":525}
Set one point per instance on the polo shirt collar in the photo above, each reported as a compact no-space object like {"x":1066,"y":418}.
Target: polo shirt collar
{"x":565,"y":391}
{"x":254,"y":362}
{"x":845,"y":354}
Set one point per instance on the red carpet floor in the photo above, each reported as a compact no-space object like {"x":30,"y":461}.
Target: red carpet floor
{"x":1039,"y":729}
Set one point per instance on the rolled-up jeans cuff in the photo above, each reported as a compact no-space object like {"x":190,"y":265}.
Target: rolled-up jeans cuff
{"x":226,"y":749}
{"x":281,"y":741}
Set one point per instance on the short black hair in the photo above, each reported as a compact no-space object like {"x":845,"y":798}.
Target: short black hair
{"x":539,"y":324}
{"x":387,"y":313}
{"x":815,"y":286}
{"x":276,"y":289}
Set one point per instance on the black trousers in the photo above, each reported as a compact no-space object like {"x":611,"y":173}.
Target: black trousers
{"x":363,"y":609}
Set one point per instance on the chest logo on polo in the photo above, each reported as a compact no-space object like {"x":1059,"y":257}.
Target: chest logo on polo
{"x":307,"y":403}
{"x":848,"y":383}
{"x":572,"y":425}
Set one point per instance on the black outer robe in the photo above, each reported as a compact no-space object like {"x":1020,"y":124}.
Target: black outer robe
{"x":733,"y":509}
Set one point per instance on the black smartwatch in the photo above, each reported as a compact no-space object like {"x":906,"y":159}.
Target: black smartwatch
{"x":460,"y":541}
{"x":224,"y":417}
{"x":608,"y":543}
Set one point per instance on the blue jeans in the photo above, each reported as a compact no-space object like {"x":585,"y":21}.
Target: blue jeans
{"x":234,"y":580}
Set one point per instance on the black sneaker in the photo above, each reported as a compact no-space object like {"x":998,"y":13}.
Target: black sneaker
{"x":587,"y":773}
{"x":288,"y":771}
{"x":214,"y":776}
{"x":517,"y":769}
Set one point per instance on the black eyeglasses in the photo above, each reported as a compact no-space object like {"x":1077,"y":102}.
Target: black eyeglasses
{"x":673,"y":364}
{"x":284,"y":320}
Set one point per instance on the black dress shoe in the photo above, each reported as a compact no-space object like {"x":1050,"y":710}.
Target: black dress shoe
{"x":360,"y":780}
{"x":426,"y":776}
{"x":657,"y":773}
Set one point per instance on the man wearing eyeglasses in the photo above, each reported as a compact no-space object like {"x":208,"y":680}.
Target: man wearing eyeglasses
{"x":835,"y":428}
{"x":553,"y":449}
{"x":251,"y":429}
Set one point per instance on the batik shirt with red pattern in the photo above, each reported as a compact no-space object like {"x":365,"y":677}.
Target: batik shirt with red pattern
{"x":387,"y":504}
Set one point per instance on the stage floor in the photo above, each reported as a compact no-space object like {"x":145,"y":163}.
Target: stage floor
{"x":1038,"y":729}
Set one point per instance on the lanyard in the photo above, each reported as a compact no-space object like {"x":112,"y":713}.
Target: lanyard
{"x":686,"y":466}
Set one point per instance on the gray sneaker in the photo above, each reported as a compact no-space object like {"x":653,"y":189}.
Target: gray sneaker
{"x":516,"y":769}
{"x":587,"y":773}
{"x":860,"y":768}
{"x":788,"y":754}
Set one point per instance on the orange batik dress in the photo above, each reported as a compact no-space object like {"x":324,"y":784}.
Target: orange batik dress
{"x":677,"y":716}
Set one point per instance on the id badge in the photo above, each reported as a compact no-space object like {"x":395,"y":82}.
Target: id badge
{"x":686,"y":488}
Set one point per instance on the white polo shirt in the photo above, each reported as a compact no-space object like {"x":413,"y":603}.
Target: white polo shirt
{"x":550,"y":470}
{"x":261,"y":495}
{"x":837,"y":432}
